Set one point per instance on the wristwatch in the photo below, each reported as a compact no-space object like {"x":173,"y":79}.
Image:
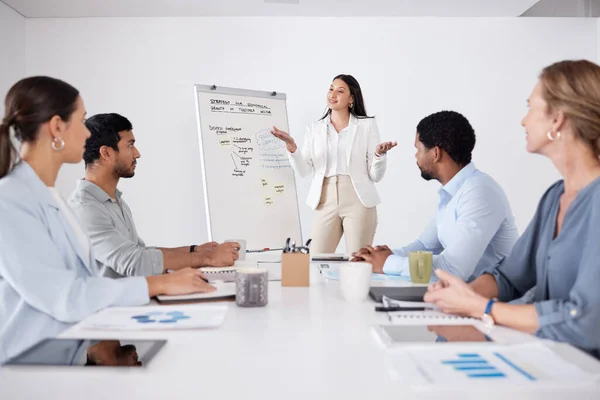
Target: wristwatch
{"x":487,"y":318}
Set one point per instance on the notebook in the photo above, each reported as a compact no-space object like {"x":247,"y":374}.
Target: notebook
{"x":226,"y":274}
{"x":428,"y":317}
{"x":225,"y":291}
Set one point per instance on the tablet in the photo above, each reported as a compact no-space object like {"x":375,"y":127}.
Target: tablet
{"x":402,"y":293}
{"x":392,"y":335}
{"x":89,"y":353}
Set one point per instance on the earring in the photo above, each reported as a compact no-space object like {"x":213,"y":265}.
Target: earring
{"x":58,"y":144}
{"x":552,"y":138}
{"x":351,"y":105}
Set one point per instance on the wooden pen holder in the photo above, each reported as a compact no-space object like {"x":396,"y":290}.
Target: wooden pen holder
{"x":295,"y":269}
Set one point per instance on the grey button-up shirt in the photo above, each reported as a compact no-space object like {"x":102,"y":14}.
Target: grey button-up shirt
{"x":560,"y":276}
{"x":118,"y":249}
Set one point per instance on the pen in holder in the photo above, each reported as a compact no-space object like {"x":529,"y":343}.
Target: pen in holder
{"x":295,"y":265}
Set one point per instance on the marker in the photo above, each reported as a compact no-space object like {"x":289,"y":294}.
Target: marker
{"x":263,"y":250}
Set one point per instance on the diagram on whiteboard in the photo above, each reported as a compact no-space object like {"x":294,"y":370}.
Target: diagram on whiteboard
{"x":272,"y":151}
{"x":241,"y":147}
{"x":249,"y":182}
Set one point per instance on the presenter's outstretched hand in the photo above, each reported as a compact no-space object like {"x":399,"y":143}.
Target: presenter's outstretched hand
{"x":384,"y":147}
{"x":282,"y":135}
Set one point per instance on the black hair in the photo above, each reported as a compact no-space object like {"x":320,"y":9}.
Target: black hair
{"x":358,"y":105}
{"x":30,"y":103}
{"x":450,"y":131}
{"x":104,"y":131}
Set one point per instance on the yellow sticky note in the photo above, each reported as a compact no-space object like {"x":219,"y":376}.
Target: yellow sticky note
{"x":263,"y":182}
{"x":278,"y":188}
{"x":268,"y":201}
{"x":225,"y":142}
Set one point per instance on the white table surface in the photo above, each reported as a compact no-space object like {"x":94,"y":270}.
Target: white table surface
{"x":306,"y":343}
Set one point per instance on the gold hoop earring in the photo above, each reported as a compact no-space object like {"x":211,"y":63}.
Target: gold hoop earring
{"x":553,"y":138}
{"x":58,"y":144}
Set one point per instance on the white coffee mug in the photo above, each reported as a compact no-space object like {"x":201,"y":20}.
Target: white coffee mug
{"x":355,"y":280}
{"x":242,"y":251}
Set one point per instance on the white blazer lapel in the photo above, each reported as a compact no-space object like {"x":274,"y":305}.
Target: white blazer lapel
{"x":352,"y":128}
{"x":323,"y":142}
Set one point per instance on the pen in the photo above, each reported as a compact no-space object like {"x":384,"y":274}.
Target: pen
{"x":392,"y":309}
{"x":265,"y":249}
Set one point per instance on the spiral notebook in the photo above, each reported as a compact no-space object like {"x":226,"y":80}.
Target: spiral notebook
{"x":428,"y":317}
{"x":225,"y":274}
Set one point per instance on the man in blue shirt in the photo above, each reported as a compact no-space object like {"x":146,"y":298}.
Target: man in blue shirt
{"x":473,"y":229}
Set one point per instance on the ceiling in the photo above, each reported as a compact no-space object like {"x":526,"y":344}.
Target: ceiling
{"x":189,"y":8}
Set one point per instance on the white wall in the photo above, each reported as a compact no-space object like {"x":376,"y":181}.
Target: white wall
{"x":12,"y":50}
{"x":409,"y":68}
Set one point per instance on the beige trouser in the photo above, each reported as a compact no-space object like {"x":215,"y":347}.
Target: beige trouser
{"x":341,"y":212}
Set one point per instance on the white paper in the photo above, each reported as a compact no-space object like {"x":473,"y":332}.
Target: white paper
{"x":387,"y":302}
{"x":531,"y":364}
{"x":157,"y":318}
{"x":334,"y":274}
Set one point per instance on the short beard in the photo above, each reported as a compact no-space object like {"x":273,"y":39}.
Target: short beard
{"x":121,"y":172}
{"x":426,"y":175}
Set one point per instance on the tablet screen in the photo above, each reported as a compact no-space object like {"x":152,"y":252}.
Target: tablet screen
{"x":90,"y":353}
{"x":434,"y":333}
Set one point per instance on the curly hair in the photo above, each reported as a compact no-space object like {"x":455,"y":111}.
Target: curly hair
{"x":450,"y":131}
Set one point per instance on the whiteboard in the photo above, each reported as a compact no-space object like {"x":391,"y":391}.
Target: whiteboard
{"x":249,"y":185}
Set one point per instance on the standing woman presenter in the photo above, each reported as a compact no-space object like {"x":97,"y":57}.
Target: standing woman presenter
{"x":343,"y":153}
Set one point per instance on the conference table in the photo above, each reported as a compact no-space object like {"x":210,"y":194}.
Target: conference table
{"x":307,"y":343}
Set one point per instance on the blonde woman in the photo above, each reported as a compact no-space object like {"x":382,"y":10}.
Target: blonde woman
{"x":553,"y":271}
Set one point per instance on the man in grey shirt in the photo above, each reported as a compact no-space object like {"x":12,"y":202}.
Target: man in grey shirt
{"x":110,"y":154}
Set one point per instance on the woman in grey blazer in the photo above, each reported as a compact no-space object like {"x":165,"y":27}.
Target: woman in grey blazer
{"x":553,"y":273}
{"x":48,"y":276}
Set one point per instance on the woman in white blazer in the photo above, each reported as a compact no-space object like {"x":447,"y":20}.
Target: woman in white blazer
{"x":48,"y":276}
{"x":343,"y":153}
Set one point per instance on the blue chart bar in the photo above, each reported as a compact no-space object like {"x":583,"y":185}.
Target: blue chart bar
{"x":488,"y":375}
{"x":472,"y":361}
{"x":515,"y":367}
{"x":475,"y":368}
